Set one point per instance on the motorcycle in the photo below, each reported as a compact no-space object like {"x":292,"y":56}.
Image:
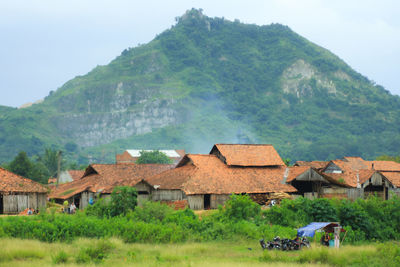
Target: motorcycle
{"x":285,"y":244}
{"x":275,"y":244}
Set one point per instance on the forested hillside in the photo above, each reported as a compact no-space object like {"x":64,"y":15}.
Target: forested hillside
{"x":208,"y":80}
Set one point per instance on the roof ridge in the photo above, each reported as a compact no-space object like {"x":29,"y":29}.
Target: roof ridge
{"x":244,"y":144}
{"x":201,"y":155}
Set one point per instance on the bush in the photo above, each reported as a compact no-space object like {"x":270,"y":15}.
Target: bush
{"x":322,"y":210}
{"x":364,"y":220}
{"x":94,"y":254}
{"x":152,"y":212}
{"x":123,"y":199}
{"x":60,"y":257}
{"x":240,"y":207}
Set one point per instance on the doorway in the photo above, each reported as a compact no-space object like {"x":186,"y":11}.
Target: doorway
{"x":1,"y":204}
{"x":207,"y":201}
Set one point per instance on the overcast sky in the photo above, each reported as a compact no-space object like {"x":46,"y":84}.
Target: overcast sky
{"x":45,"y":43}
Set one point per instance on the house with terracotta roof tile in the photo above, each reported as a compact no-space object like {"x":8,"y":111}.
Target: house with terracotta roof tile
{"x":18,"y":193}
{"x":99,"y":180}
{"x":131,"y":155}
{"x":354,"y":177}
{"x":207,"y":181}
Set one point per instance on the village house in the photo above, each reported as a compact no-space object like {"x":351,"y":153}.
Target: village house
{"x":131,"y":155}
{"x":353,"y":177}
{"x":18,"y":193}
{"x":99,"y":180}
{"x":206,"y":181}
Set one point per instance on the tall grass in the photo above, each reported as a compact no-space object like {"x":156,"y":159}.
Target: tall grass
{"x":387,"y":254}
{"x":115,"y":252}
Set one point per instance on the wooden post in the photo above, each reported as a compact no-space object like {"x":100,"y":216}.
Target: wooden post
{"x":384,"y":190}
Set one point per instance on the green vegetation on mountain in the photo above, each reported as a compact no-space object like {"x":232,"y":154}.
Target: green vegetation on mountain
{"x":207,"y":80}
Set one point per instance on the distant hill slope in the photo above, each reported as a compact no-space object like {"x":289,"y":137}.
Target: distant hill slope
{"x":209,"y":80}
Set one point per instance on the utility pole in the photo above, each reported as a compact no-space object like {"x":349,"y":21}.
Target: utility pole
{"x":58,"y":166}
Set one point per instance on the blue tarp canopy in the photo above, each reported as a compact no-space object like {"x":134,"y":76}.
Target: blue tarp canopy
{"x":310,"y":229}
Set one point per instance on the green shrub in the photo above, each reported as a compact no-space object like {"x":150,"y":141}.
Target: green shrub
{"x":365,"y":220}
{"x":100,"y":209}
{"x":240,"y":207}
{"x":95,"y":254}
{"x":322,"y":210}
{"x":152,"y":212}
{"x":60,"y":257}
{"x":123,"y":200}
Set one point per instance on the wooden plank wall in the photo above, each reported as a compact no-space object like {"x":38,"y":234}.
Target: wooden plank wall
{"x":217,"y":200}
{"x":143,"y":187}
{"x":19,"y":202}
{"x":196,"y":202}
{"x":168,"y":195}
{"x":84,"y":201}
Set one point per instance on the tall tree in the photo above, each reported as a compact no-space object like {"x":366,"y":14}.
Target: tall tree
{"x":21,"y":165}
{"x":50,"y":160}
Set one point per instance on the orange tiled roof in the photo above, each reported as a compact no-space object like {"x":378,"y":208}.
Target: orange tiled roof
{"x":76,"y":174}
{"x":11,"y":182}
{"x":313,"y":164}
{"x":393,"y":177}
{"x":207,"y":174}
{"x":52,"y":180}
{"x":248,"y":155}
{"x":365,"y":169}
{"x":383,"y":165}
{"x":349,"y":175}
{"x":295,"y":171}
{"x":357,"y":163}
{"x":104,"y":177}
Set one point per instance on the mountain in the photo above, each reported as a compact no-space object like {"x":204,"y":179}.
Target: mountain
{"x":209,"y":80}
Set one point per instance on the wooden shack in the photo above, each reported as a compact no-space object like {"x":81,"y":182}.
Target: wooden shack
{"x":18,"y":193}
{"x":99,"y":180}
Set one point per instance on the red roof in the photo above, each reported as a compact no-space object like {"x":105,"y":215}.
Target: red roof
{"x":393,"y":177}
{"x":313,"y":164}
{"x":11,"y":182}
{"x":104,"y":177}
{"x":248,"y":155}
{"x":294,"y":171}
{"x":76,"y":174}
{"x":207,"y":174}
{"x":349,"y":178}
{"x":353,"y":166}
{"x":383,"y":165}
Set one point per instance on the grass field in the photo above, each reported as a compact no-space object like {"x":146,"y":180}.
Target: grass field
{"x":113,"y":252}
